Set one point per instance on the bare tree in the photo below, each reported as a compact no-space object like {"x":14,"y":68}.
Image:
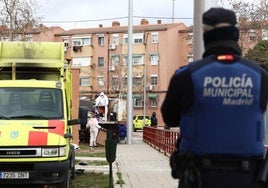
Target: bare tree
{"x":252,"y":18}
{"x":17,"y":18}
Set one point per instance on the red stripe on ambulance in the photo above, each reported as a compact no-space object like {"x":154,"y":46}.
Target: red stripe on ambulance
{"x":37,"y":138}
{"x":58,"y":127}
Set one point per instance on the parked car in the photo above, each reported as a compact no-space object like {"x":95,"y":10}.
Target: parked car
{"x":139,"y":122}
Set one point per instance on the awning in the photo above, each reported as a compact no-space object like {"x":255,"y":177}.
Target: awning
{"x":137,"y":96}
{"x":152,"y":96}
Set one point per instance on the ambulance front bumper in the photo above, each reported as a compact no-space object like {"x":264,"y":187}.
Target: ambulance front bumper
{"x":34,"y":173}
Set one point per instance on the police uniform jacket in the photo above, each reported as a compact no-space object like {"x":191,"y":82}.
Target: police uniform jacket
{"x":219,"y":103}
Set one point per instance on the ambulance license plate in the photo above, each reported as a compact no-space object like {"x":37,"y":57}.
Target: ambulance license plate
{"x":14,"y":175}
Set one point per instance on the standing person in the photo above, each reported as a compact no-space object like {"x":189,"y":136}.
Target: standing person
{"x":219,"y":103}
{"x":94,"y":127}
{"x":102,"y":103}
{"x":122,"y":130}
{"x":154,"y":120}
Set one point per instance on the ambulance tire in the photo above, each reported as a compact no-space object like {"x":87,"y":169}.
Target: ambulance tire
{"x":72,"y":173}
{"x":72,"y":163}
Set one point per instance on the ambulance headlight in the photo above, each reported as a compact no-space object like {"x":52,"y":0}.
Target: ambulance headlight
{"x":50,"y":152}
{"x":54,"y":152}
{"x":62,"y":151}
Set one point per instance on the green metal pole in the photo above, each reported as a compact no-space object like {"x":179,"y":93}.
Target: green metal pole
{"x":111,"y":175}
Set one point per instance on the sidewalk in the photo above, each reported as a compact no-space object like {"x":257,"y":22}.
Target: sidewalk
{"x":142,"y":166}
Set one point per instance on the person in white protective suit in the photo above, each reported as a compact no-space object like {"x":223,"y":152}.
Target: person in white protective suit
{"x":94,"y":127}
{"x":102,"y":101}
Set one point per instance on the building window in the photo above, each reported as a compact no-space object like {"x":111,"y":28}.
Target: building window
{"x":124,"y":81}
{"x":153,"y":79}
{"x":77,"y":42}
{"x":115,"y":60}
{"x":115,"y":80}
{"x":81,"y":41}
{"x":100,"y":61}
{"x":66,"y":42}
{"x":138,"y":38}
{"x":190,"y":38}
{"x":115,"y":39}
{"x":137,"y":102}
{"x":153,"y":102}
{"x":154,"y":37}
{"x":137,"y":81}
{"x":154,"y":59}
{"x":125,"y":59}
{"x":81,"y":61}
{"x":85,"y":81}
{"x":101,"y":39}
{"x":125,"y":39}
{"x":86,"y":41}
{"x":137,"y":60}
{"x":101,"y":81}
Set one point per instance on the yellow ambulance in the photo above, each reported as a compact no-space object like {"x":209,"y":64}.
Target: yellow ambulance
{"x":35,"y":115}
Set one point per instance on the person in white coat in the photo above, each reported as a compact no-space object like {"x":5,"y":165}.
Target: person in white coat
{"x":94,"y":127}
{"x":103,"y":101}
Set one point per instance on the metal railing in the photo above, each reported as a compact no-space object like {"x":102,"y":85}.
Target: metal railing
{"x":161,"y":139}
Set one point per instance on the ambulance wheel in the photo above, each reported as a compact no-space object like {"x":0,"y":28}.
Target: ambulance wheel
{"x":72,"y":165}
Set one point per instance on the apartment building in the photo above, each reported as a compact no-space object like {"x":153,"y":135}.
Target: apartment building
{"x":102,"y":55}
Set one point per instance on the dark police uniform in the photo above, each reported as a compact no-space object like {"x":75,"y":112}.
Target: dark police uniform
{"x":219,"y":106}
{"x":219,"y":103}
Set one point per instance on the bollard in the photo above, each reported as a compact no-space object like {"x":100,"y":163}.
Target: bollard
{"x":110,"y":151}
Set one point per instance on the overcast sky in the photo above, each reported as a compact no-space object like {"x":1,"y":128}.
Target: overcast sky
{"x":90,"y":13}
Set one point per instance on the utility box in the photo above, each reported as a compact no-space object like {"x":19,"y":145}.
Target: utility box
{"x":102,"y":136}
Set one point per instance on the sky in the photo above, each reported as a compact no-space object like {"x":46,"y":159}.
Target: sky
{"x":90,"y":13}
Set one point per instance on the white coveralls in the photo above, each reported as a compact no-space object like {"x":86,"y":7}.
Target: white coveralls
{"x":94,"y":127}
{"x":103,"y":100}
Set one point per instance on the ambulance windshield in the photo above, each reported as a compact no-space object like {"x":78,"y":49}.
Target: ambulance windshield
{"x":31,"y":103}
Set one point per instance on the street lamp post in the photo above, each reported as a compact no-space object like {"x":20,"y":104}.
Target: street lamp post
{"x":129,"y":74}
{"x":144,"y":94}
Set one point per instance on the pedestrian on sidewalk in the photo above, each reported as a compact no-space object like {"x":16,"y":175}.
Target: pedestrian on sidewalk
{"x":94,"y":127}
{"x":154,"y":121}
{"x":219,"y":103}
{"x":122,"y":131}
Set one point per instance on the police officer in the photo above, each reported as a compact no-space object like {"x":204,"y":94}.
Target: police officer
{"x":218,"y":102}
